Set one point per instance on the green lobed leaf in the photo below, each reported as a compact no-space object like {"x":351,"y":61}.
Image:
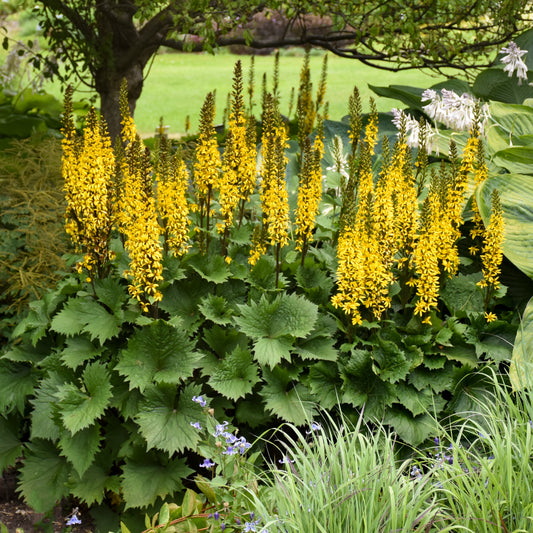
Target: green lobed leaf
{"x":42,"y":419}
{"x":412,"y":430}
{"x":17,"y":382}
{"x":216,"y":309}
{"x":78,"y":350}
{"x":84,"y":314}
{"x":43,"y":476}
{"x":270,"y":352}
{"x":418,"y":402}
{"x":390,"y":362}
{"x":460,"y":294}
{"x":325,"y":384}
{"x":361,"y":387}
{"x":165,"y":418}
{"x":79,"y":408}
{"x":111,"y":292}
{"x":91,"y":487}
{"x":183,"y":298}
{"x":286,"y":398}
{"x":288,"y":314}
{"x":144,"y":481}
{"x":211,"y":268}
{"x":516,"y":195}
{"x":157,"y":352}
{"x":80,"y":449}
{"x":10,"y":444}
{"x":235,"y":375}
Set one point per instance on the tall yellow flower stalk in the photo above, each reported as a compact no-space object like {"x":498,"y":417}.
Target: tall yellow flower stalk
{"x":88,"y":169}
{"x":480,"y":175}
{"x":239,"y":160}
{"x":454,"y":202}
{"x":206,"y":170}
{"x":172,"y":179}
{"x":138,"y":217}
{"x":309,"y":190}
{"x":492,"y":252}
{"x":367,"y":241}
{"x":274,"y":196}
{"x":425,"y":258}
{"x":305,"y":108}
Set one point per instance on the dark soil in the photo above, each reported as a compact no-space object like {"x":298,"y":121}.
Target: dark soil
{"x":18,"y":517}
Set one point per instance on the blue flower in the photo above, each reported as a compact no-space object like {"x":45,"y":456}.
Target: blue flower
{"x":220,"y":429}
{"x":250,"y":526}
{"x":73,"y":520}
{"x":285,"y":460}
{"x":231,"y":450}
{"x":315,"y":426}
{"x":216,"y":516}
{"x":207,"y":463}
{"x":437,"y":441}
{"x":196,"y":425}
{"x":200,"y":400}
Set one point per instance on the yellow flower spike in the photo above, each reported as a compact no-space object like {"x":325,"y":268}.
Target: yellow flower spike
{"x":492,"y":252}
{"x":309,"y":190}
{"x":238,"y":178}
{"x":88,"y":167}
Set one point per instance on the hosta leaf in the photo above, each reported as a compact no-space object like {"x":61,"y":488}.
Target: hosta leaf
{"x":157,"y":352}
{"x":43,"y":476}
{"x":495,"y":84}
{"x":83,"y":314}
{"x":165,"y":418}
{"x":79,"y":408}
{"x":80,"y":449}
{"x":144,"y":481}
{"x":10,"y":445}
{"x":235,"y":375}
{"x":16,"y":383}
{"x":286,"y":399}
{"x":516,"y":194}
{"x":516,"y":159}
{"x":521,"y":368}
{"x":78,"y":350}
{"x":215,"y":308}
{"x":412,"y":430}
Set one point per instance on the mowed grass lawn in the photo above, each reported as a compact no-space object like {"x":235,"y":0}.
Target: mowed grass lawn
{"x":176,"y":85}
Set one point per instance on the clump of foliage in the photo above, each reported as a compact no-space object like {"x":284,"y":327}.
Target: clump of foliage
{"x":32,"y":238}
{"x":239,"y":285}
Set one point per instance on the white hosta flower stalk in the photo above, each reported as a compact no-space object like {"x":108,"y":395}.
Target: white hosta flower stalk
{"x":513,"y":61}
{"x":413,"y":131}
{"x":454,"y":111}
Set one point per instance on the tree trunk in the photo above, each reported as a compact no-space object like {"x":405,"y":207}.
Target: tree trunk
{"x":108,"y":82}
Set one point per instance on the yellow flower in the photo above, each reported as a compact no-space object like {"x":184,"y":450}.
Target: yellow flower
{"x":490,"y":317}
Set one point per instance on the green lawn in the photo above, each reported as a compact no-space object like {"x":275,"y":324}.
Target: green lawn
{"x":176,"y":85}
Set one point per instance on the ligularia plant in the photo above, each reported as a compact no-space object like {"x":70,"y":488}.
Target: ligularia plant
{"x":513,"y":61}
